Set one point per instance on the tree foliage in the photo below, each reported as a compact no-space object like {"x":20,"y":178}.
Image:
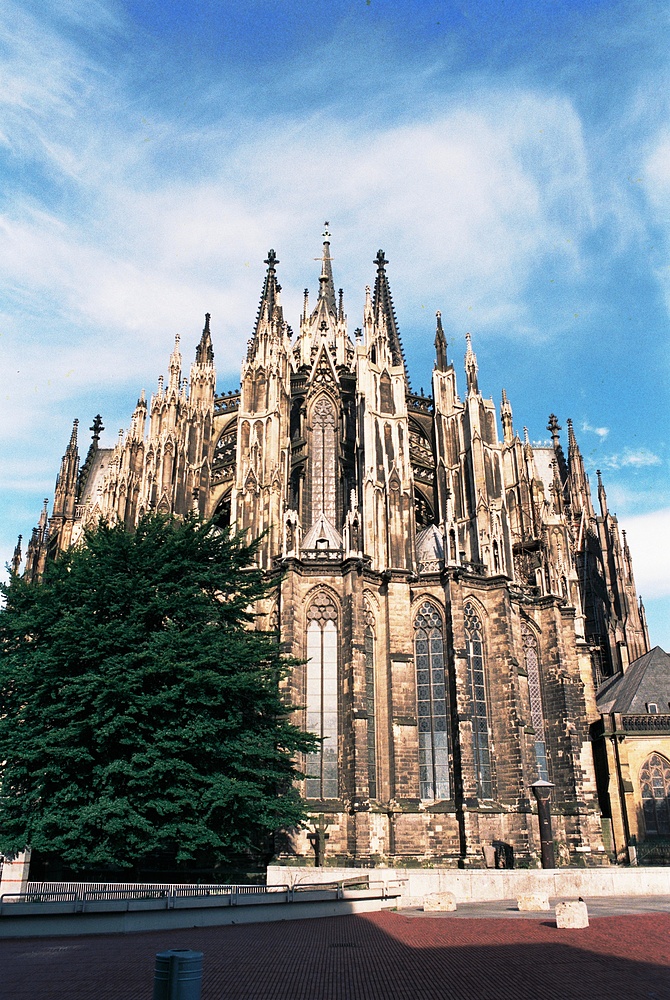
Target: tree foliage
{"x":139,"y":708}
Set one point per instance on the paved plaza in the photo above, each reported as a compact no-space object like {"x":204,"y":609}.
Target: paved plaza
{"x":378,"y":956}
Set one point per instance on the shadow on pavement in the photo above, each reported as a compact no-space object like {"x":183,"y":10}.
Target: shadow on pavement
{"x":380,"y":956}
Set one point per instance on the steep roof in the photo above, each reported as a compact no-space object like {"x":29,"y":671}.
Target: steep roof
{"x":646,"y":680}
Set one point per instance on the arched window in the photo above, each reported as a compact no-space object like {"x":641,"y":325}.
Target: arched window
{"x":532,"y":660}
{"x":370,"y":703}
{"x":323,"y":461}
{"x":223,"y":513}
{"x":321,"y":691}
{"x":423,"y":512}
{"x":655,"y":784}
{"x":480,"y":723}
{"x":386,"y":403}
{"x":431,"y":704}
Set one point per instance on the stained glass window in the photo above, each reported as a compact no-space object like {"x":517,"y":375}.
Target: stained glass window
{"x":535,"y":691}
{"x":370,"y":708}
{"x":480,"y":723}
{"x":431,"y":687}
{"x":321,"y":696}
{"x":323,"y":463}
{"x":655,"y":783}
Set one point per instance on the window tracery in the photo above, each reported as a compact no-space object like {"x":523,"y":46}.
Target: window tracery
{"x":434,"y":778}
{"x":323,"y":460}
{"x":532,"y":661}
{"x":480,"y":724}
{"x":369,"y":646}
{"x":386,"y":401}
{"x":225,"y":453}
{"x":655,"y":785}
{"x":321,"y":696}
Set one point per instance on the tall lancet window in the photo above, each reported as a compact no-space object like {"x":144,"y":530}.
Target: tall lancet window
{"x":535,"y":692}
{"x":321,"y":691}
{"x":431,"y":704}
{"x":324,"y":460}
{"x":480,"y":723}
{"x":370,"y":703}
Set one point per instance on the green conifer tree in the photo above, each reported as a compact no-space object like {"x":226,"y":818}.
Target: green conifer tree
{"x":140,"y":710}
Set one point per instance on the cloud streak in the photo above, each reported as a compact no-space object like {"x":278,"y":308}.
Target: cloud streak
{"x":649,"y":539}
{"x":636,"y":458}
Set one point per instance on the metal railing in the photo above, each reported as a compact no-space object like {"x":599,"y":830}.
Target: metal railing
{"x":73,"y":897}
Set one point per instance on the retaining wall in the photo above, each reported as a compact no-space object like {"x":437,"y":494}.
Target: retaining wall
{"x":480,"y":885}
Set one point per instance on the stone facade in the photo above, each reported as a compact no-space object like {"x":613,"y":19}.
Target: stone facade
{"x":453,"y":595}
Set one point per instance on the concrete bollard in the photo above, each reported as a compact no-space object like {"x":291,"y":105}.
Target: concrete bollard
{"x":533,"y":901}
{"x":572,"y":914}
{"x":178,"y":975}
{"x":439,"y":902}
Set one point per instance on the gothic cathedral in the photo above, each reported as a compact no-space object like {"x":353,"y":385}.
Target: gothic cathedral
{"x":454,"y":598}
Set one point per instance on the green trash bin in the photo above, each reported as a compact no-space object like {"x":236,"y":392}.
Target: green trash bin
{"x":178,"y":975}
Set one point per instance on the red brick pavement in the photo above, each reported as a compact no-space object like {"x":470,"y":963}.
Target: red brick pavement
{"x":380,"y":956}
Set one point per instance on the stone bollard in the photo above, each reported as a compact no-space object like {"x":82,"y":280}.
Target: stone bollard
{"x":533,"y":901}
{"x":572,"y":914}
{"x":439,"y":902}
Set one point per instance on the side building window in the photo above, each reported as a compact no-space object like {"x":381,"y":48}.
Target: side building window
{"x":480,"y":722}
{"x":535,"y":691}
{"x":321,"y":692}
{"x":655,"y":784}
{"x":370,"y":704}
{"x":434,"y":779}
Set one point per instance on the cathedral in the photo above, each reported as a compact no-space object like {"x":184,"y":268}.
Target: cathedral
{"x":452,"y":594}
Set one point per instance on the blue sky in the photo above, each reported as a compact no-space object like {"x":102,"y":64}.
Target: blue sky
{"x":512,"y":159}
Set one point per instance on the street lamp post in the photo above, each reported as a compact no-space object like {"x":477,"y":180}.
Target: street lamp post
{"x":542,"y":793}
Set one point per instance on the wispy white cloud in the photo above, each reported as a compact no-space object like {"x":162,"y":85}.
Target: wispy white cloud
{"x":119,"y":252}
{"x":636,"y":458}
{"x":649,"y":539}
{"x":602,"y":432}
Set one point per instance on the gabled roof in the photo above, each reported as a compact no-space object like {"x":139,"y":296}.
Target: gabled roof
{"x":429,"y":546}
{"x":646,"y":680}
{"x":322,"y":530}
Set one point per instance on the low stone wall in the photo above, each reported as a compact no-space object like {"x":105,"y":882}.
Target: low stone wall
{"x":481,"y":885}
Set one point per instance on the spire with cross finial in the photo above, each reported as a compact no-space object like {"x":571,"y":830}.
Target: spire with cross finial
{"x":554,"y":427}
{"x":204,"y":352}
{"x":580,"y":491}
{"x":384,"y":312}
{"x":270,"y":314}
{"x":602,"y":496}
{"x":471,"y":367}
{"x":326,"y":283}
{"x":175,"y":368}
{"x":440,"y":345}
{"x":65,"y":494}
{"x":506,"y":419}
{"x":16,"y":558}
{"x":96,"y":428}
